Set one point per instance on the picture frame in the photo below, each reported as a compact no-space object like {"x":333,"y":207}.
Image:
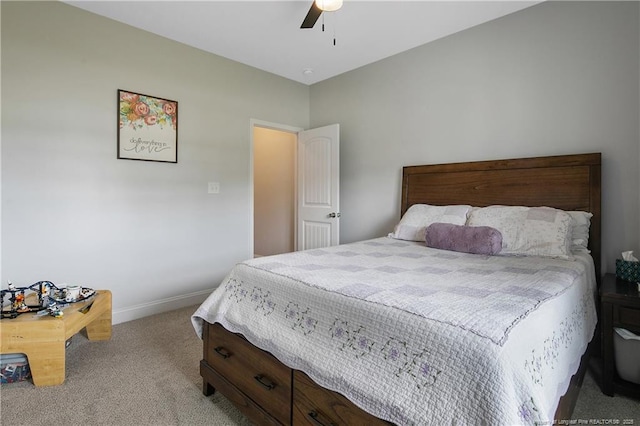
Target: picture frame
{"x":147,"y":127}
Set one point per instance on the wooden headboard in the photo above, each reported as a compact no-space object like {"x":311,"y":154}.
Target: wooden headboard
{"x":567,"y":182}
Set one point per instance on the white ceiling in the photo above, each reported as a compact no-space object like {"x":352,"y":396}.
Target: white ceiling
{"x":266,"y":34}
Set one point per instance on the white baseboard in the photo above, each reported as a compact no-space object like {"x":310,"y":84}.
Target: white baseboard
{"x":158,"y":306}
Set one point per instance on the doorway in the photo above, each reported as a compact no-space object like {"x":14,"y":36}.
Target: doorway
{"x":295,"y":188}
{"x":274,"y":188}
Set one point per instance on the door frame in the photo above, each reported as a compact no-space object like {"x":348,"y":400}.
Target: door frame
{"x":253,"y":123}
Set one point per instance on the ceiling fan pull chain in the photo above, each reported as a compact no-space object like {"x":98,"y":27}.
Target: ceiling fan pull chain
{"x":334,"y":32}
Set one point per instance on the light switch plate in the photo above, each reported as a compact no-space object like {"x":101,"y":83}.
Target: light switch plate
{"x":214,"y":187}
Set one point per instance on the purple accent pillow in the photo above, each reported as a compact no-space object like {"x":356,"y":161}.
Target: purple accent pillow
{"x":468,"y":239}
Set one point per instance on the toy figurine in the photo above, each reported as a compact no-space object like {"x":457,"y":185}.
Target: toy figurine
{"x":20,"y":304}
{"x":44,"y":294}
{"x":18,"y":299}
{"x":54,"y":310}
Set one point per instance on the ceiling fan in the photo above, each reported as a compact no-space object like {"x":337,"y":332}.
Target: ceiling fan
{"x":317,"y":7}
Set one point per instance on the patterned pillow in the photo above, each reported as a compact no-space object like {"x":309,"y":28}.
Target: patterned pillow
{"x":581,"y":222}
{"x":468,"y":239}
{"x":414,"y":222}
{"x":528,"y":231}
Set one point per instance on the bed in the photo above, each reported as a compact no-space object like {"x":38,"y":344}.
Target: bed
{"x":389,"y":330}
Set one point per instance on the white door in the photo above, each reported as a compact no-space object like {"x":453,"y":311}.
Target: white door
{"x":318,"y":223}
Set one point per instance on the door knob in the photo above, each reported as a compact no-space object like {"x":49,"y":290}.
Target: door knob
{"x":333,"y":214}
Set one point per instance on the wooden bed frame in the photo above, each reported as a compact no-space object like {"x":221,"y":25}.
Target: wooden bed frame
{"x":568,"y":182}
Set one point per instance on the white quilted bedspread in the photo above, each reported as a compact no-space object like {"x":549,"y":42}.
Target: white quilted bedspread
{"x":415,"y":335}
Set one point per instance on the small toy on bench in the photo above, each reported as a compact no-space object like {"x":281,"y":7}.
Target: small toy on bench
{"x":50,"y":298}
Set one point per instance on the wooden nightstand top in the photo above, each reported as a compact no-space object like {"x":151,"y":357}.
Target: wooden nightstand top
{"x":616,"y":290}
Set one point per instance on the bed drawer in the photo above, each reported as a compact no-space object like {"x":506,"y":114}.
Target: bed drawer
{"x":254,"y":372}
{"x":626,"y":317}
{"x":246,"y":405}
{"x":314,"y":405}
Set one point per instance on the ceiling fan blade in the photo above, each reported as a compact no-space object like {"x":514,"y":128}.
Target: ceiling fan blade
{"x":312,"y":16}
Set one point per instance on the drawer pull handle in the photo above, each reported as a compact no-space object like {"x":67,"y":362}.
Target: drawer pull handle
{"x":315,"y":417}
{"x":268,"y":384}
{"x":220,"y":350}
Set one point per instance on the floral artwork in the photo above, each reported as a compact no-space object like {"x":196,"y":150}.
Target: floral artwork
{"x":147,"y":128}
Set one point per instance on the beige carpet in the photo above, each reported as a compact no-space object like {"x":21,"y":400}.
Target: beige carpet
{"x":147,"y":374}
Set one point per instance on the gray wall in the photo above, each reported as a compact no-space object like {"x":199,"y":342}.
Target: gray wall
{"x":557,"y":78}
{"x":72,"y":212}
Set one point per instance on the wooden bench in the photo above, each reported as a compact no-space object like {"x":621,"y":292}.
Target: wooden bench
{"x":43,"y":338}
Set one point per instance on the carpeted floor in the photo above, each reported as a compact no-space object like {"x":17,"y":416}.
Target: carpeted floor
{"x":595,"y":408}
{"x":148,"y":374}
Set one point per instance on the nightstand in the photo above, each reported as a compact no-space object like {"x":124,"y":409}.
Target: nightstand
{"x":620,"y":308}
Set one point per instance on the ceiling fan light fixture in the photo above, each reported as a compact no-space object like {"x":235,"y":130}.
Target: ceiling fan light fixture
{"x":329,"y":5}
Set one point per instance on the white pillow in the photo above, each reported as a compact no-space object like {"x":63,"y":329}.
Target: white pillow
{"x":528,"y":231}
{"x":414,"y":222}
{"x":581,"y":221}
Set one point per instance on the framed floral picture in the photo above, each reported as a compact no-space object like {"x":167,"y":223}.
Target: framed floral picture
{"x":147,"y":128}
